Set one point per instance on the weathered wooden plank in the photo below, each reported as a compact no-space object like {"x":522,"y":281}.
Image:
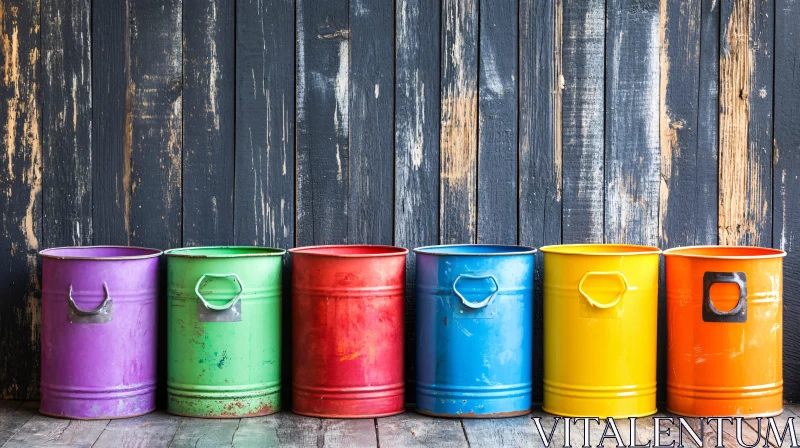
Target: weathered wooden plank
{"x":506,"y":432}
{"x":459,"y":132}
{"x":706,"y":198}
{"x":540,"y":83}
{"x":498,"y":50}
{"x":110,"y":103}
{"x":416,"y":191}
{"x":414,"y":430}
{"x":154,"y":430}
{"x":745,"y":160}
{"x":582,"y":118}
{"x":371,"y":189}
{"x":786,"y":181}
{"x":554,"y":429}
{"x":67,"y":123}
{"x":154,"y":124}
{"x":21,"y":198}
{"x":265,"y":169}
{"x":197,"y":432}
{"x":323,"y":121}
{"x":42,"y":431}
{"x":767,"y":434}
{"x":13,"y":416}
{"x":632,"y":154}
{"x":208,"y":121}
{"x":290,"y":430}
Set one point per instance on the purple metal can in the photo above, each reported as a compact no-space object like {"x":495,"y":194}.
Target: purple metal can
{"x":99,"y":330}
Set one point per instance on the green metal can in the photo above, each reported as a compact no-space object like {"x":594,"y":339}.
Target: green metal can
{"x":224,"y":331}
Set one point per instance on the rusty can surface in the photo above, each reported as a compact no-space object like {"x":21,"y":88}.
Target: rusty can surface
{"x":474,"y":330}
{"x":724,"y":331}
{"x":99,"y":330}
{"x":224,"y":331}
{"x":348,"y":333}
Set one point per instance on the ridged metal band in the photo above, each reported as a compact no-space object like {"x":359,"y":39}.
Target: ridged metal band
{"x":350,"y":393}
{"x":481,"y":392}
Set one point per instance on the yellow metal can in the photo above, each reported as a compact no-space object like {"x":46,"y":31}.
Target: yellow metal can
{"x":600,"y":330}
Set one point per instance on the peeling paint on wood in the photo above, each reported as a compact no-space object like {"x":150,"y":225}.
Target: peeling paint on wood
{"x":20,"y":198}
{"x":459,"y":144}
{"x":208,"y":122}
{"x":67,"y":123}
{"x":583,"y":99}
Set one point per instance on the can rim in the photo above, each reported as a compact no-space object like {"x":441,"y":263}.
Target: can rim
{"x":258,"y":251}
{"x":51,"y":253}
{"x":520,"y":250}
{"x":767,"y":252}
{"x":390,"y":251}
{"x":614,"y":250}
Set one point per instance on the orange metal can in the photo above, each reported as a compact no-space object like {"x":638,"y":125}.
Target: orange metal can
{"x":724,"y":331}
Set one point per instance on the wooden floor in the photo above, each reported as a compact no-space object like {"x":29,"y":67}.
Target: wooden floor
{"x":22,"y":426}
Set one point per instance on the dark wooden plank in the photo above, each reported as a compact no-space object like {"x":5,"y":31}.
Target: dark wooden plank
{"x":13,"y":416}
{"x":67,"y":123}
{"x":786,"y":183}
{"x":21,"y":201}
{"x":745,"y":157}
{"x":497,"y":122}
{"x":197,"y":432}
{"x":459,"y":132}
{"x":208,"y":121}
{"x":371,"y":92}
{"x":540,"y":83}
{"x":154,"y":430}
{"x":265,"y":169}
{"x":506,"y":432}
{"x":706,"y":197}
{"x":43,"y":431}
{"x":290,"y":430}
{"x":110,"y":101}
{"x":414,"y":430}
{"x":632,"y":154}
{"x":155,"y":123}
{"x":582,"y":118}
{"x":416,"y":204}
{"x":323,"y":121}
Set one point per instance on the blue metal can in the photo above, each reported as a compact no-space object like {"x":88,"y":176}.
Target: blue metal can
{"x":474,"y":330}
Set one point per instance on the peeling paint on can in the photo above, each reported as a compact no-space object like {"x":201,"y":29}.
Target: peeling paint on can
{"x":474,"y":330}
{"x":224,"y":331}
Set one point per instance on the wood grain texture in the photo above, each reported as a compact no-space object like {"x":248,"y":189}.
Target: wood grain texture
{"x":371,"y":122}
{"x":198,"y":432}
{"x":498,"y":109}
{"x":291,"y":430}
{"x":414,"y":430}
{"x":632,"y":153}
{"x":20,"y":198}
{"x":208,"y":129}
{"x":265,"y":156}
{"x":154,"y":430}
{"x":67,"y":123}
{"x":42,"y":431}
{"x":540,"y":83}
{"x":417,"y":126}
{"x":582,"y":120}
{"x":459,"y":132}
{"x":13,"y":416}
{"x":786,"y":182}
{"x":323,"y":121}
{"x":111,"y":60}
{"x":154,"y":124}
{"x":745,"y":201}
{"x":505,"y":432}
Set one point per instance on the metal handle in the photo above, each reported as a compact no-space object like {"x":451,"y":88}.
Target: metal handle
{"x":484,"y":302}
{"x":99,"y":315}
{"x":612,"y":303}
{"x":230,"y":303}
{"x":739,"y":312}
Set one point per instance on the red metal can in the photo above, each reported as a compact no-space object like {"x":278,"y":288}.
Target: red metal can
{"x":348,"y":329}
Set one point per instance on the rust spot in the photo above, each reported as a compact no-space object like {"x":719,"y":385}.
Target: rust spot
{"x":445,"y":321}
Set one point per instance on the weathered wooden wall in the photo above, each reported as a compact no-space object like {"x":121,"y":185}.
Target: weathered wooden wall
{"x":164,"y":123}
